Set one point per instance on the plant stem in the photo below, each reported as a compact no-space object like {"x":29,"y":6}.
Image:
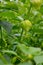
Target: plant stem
{"x":0,"y":37}
{"x":21,"y":35}
{"x":1,"y":33}
{"x":29,"y":9}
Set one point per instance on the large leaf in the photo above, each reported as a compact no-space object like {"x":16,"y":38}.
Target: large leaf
{"x":29,"y":50}
{"x":26,"y":63}
{"x":38,"y":59}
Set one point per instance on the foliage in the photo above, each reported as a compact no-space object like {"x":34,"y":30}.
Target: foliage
{"x":21,"y":32}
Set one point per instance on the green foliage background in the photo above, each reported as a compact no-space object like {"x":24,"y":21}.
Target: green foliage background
{"x":17,"y":46}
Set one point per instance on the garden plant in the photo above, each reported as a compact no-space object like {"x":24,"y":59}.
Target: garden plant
{"x":21,"y":32}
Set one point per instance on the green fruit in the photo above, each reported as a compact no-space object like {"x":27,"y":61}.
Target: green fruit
{"x":26,"y":25}
{"x":36,"y":2}
{"x":30,"y":56}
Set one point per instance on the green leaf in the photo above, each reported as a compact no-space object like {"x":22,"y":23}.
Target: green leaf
{"x":1,"y":62}
{"x":41,"y":9}
{"x":26,"y":63}
{"x":29,"y":50}
{"x":39,"y":64}
{"x":9,"y":6}
{"x":38,"y":28}
{"x":3,"y":59}
{"x":38,"y":59}
{"x":9,"y":51}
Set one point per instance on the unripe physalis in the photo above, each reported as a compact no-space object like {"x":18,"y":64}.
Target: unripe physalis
{"x":26,"y":25}
{"x":36,"y":2}
{"x":30,"y":56}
